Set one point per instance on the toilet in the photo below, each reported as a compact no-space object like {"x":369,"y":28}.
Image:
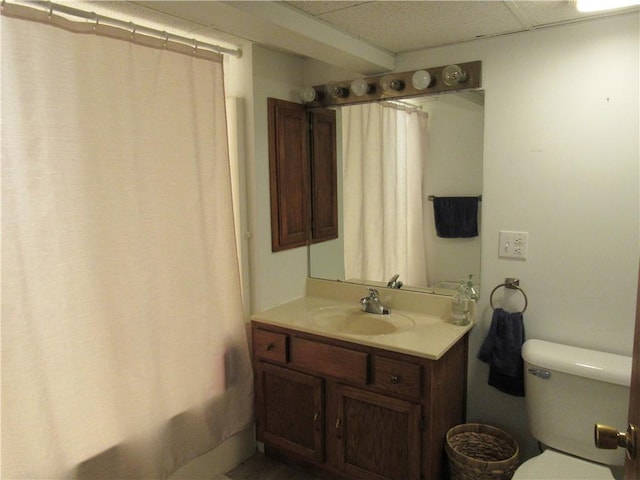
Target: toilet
{"x":568,"y":390}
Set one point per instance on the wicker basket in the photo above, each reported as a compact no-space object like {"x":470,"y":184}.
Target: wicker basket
{"x":479,"y":452}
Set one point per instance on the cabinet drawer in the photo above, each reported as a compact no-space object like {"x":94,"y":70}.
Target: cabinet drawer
{"x":397,"y":377}
{"x":270,"y":346}
{"x":330,"y":360}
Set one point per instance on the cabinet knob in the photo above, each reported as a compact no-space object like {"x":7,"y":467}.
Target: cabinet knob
{"x":268,"y":347}
{"x":395,"y":379}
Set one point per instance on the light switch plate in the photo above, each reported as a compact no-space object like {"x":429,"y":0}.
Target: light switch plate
{"x":513,"y":244}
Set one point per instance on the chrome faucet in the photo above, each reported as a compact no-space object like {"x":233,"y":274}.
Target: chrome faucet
{"x":394,"y":283}
{"x":372,"y":304}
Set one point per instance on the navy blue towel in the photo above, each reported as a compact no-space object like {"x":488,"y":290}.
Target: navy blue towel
{"x":456,"y":217}
{"x":502,"y":350}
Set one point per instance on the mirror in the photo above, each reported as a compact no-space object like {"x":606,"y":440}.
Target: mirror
{"x":452,"y":167}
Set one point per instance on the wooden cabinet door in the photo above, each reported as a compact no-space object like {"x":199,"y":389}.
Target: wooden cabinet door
{"x":324,"y":175}
{"x":289,"y":174}
{"x":290,"y":410}
{"x":378,"y":437}
{"x":632,"y":464}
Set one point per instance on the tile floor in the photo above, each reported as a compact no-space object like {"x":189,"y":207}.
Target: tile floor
{"x":260,"y":467}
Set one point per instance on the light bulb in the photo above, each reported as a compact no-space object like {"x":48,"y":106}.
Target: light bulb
{"x":360,"y":87}
{"x":308,"y":94}
{"x":390,"y":84}
{"x":421,"y":79}
{"x":453,"y":75}
{"x":334,"y":90}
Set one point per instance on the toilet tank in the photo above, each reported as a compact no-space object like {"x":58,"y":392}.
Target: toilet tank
{"x":568,"y":390}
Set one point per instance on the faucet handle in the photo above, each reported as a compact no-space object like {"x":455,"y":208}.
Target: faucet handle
{"x":394,"y":282}
{"x":373,"y":293}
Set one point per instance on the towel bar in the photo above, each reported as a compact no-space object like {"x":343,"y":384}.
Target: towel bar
{"x":431,"y":197}
{"x":513,"y":284}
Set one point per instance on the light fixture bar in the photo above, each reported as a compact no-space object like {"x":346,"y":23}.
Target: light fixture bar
{"x":398,"y":85}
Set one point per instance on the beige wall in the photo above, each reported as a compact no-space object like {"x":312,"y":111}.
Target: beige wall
{"x":275,"y":277}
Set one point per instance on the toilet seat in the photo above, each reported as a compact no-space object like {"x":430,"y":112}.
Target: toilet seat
{"x":553,"y":465}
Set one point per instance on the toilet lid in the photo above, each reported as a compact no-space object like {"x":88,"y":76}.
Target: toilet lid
{"x":557,"y":466}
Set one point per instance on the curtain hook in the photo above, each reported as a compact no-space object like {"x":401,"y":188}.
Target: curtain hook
{"x":97,"y":24}
{"x":133,"y":29}
{"x":195,"y":46}
{"x":50,"y":10}
{"x":166,"y":39}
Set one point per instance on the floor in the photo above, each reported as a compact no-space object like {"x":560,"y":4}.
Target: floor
{"x":260,"y":467}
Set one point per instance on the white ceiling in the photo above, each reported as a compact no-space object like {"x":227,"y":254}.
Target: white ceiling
{"x":365,"y":36}
{"x":404,"y":26}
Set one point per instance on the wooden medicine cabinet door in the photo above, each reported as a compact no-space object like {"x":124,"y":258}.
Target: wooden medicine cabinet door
{"x":288,"y":174}
{"x":324,"y":176}
{"x":302,"y":174}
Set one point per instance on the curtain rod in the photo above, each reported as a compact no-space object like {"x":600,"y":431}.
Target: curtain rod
{"x":401,"y":104}
{"x":51,"y":8}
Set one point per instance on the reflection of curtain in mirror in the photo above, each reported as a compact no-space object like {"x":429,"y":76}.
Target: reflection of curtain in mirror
{"x":124,"y":349}
{"x":384,"y":157}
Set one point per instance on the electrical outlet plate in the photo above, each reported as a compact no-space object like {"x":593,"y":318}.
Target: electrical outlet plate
{"x":513,"y":244}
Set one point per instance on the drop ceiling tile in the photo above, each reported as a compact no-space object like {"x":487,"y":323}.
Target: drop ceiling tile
{"x":410,"y":25}
{"x":553,"y":12}
{"x":395,"y":26}
{"x":318,"y":8}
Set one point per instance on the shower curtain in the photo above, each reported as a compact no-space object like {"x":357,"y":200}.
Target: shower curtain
{"x":384,"y":159}
{"x":124,"y":349}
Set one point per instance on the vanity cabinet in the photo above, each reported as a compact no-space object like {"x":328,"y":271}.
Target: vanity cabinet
{"x":355,"y":411}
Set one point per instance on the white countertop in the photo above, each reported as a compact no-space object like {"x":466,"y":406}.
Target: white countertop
{"x":430,"y":337}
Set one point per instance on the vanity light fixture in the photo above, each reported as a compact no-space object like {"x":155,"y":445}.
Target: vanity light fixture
{"x":309,"y":94}
{"x":390,"y":84}
{"x":333,"y":90}
{"x":360,"y":87}
{"x":421,"y":79}
{"x":452,"y":75}
{"x":395,"y":85}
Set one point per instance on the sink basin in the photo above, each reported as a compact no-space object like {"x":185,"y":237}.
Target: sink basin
{"x":353,"y":320}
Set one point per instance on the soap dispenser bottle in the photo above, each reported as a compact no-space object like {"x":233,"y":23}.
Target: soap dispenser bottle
{"x":473,"y":292}
{"x":460,"y":306}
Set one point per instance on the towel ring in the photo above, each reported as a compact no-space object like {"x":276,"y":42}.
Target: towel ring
{"x":513,"y":284}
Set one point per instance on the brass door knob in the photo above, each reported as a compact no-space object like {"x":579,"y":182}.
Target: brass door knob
{"x":607,"y":437}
